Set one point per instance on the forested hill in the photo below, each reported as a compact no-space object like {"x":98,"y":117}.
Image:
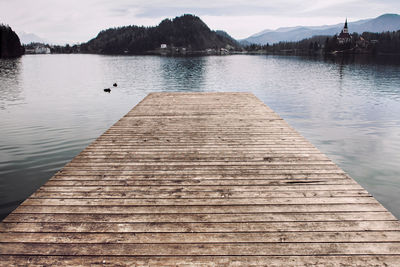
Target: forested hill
{"x":10,"y":46}
{"x":187,"y":31}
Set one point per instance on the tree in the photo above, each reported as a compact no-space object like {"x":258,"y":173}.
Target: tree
{"x":10,"y":45}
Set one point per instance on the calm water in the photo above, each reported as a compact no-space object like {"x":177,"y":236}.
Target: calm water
{"x":53,"y":106}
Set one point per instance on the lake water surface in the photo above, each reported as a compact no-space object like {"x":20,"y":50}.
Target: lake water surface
{"x":53,"y":106}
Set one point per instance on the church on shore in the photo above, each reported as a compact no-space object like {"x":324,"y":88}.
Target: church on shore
{"x":344,"y":37}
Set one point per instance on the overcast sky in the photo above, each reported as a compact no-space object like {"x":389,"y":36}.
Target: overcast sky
{"x":74,"y":21}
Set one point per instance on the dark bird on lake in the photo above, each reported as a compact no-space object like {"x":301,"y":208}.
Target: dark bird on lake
{"x":115,"y":84}
{"x":107,"y":90}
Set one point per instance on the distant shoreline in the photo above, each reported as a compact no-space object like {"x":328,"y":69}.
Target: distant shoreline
{"x":204,"y":53}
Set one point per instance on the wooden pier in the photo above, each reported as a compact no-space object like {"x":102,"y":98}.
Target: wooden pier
{"x":200,"y":179}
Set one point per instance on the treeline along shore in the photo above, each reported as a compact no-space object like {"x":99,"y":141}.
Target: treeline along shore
{"x":365,"y":43}
{"x":385,"y":43}
{"x":10,"y":45}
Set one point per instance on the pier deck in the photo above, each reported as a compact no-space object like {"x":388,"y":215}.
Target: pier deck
{"x":200,"y":179}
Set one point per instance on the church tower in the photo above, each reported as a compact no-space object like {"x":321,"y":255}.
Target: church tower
{"x":345,"y":29}
{"x":344,"y":36}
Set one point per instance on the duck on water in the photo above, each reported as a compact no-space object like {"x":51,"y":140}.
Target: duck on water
{"x":108,"y":90}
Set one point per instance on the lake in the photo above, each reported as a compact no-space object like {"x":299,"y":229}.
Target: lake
{"x":53,"y":106}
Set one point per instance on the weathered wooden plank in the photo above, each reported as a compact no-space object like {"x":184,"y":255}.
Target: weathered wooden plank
{"x":237,"y":176}
{"x":201,"y":209}
{"x":171,"y":176}
{"x":197,"y":194}
{"x":226,"y":171}
{"x":210,"y":165}
{"x":204,"y":217}
{"x":266,"y":166}
{"x":110,"y":157}
{"x":325,"y":260}
{"x":220,"y":188}
{"x":118,"y":140}
{"x":228,"y":249}
{"x":197,"y":136}
{"x":165,"y":238}
{"x":210,"y":182}
{"x":148,"y":146}
{"x":194,"y":202}
{"x":203,"y":132}
{"x":201,"y":227}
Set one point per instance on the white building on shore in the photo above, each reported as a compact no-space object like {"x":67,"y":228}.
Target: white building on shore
{"x":39,"y":49}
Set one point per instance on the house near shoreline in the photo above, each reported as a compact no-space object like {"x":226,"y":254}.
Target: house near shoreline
{"x":38,"y":49}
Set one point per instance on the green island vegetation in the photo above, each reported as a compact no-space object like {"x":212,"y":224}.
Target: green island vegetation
{"x":185,"y":34}
{"x":10,"y":45}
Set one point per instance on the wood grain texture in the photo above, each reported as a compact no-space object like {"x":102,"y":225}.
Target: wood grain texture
{"x":200,"y":179}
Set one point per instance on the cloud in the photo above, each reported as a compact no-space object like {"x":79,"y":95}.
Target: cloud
{"x":78,"y":21}
{"x":238,"y":10}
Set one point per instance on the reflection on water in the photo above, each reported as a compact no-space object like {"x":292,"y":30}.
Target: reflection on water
{"x":360,"y":59}
{"x":9,"y":80}
{"x":184,"y":74}
{"x":52,"y":106}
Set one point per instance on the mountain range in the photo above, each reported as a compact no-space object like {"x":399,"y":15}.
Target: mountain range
{"x":386,"y":22}
{"x":27,"y":38}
